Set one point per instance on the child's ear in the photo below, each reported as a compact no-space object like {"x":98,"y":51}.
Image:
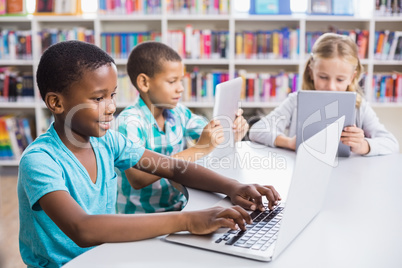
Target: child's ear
{"x":54,"y":102}
{"x":143,"y":82}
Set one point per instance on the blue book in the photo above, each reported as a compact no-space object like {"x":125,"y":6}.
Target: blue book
{"x":285,"y":42}
{"x":383,"y":85}
{"x":123,"y":46}
{"x":343,"y":7}
{"x":270,"y":7}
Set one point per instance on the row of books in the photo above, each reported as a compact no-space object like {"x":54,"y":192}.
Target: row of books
{"x":199,"y":7}
{"x":257,"y":87}
{"x":12,"y":7}
{"x":119,"y":45}
{"x":15,"y":44}
{"x":15,"y":136}
{"x":15,"y":86}
{"x":387,"y":87}
{"x":58,"y":7}
{"x":360,"y":37}
{"x":119,"y":7}
{"x":277,"y":44}
{"x":200,"y":86}
{"x":268,"y":87}
{"x":52,"y":36}
{"x":331,"y":7}
{"x":388,"y":8}
{"x":388,"y":45}
{"x":199,"y":44}
{"x":126,"y":92}
{"x":202,"y":44}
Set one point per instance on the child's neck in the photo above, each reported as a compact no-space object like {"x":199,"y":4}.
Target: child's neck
{"x":157,"y":112}
{"x":159,"y":118}
{"x":73,"y":141}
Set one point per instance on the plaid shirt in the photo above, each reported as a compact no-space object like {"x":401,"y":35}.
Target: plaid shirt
{"x":138,"y":124}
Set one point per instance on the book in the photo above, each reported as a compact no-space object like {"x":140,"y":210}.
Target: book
{"x":44,"y":6}
{"x":14,"y":136}
{"x":58,"y":7}
{"x":3,"y":10}
{"x":394,"y":45}
{"x":6,"y":151}
{"x":362,"y":41}
{"x":15,"y":7}
{"x":342,"y":7}
{"x":320,"y":7}
{"x":270,"y":7}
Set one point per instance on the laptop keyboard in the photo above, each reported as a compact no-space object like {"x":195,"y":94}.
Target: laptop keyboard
{"x":259,"y":235}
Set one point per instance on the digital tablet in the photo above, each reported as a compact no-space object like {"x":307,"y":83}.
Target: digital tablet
{"x":227,"y":99}
{"x":317,"y":109}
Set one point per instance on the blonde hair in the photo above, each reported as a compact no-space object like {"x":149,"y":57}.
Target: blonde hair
{"x":331,"y":45}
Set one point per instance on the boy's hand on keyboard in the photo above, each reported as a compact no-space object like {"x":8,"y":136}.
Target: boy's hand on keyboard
{"x":209,"y":220}
{"x":249,"y":196}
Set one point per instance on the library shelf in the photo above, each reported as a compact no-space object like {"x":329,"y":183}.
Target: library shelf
{"x":232,"y":22}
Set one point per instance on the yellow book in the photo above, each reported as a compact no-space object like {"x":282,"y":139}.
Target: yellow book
{"x":275,"y":44}
{"x":239,"y":45}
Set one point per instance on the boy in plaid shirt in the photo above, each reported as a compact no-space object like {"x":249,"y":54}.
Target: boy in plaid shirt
{"x":160,"y":123}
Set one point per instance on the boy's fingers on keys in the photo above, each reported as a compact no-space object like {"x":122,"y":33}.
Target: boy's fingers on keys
{"x":271,"y":194}
{"x":250,"y":203}
{"x":238,"y":215}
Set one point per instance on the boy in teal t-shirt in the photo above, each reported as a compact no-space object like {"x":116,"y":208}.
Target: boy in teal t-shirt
{"x":160,"y":123}
{"x":67,"y":182}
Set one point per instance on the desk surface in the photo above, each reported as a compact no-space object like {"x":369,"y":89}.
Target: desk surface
{"x":359,"y":225}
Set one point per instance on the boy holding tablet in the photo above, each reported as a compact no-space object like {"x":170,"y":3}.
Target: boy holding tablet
{"x":160,"y":123}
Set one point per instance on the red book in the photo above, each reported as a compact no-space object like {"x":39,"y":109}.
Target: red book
{"x":362,"y":43}
{"x":273,"y":87}
{"x":207,"y":43}
{"x":29,"y":45}
{"x":250,"y":92}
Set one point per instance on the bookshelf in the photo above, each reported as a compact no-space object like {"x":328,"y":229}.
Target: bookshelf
{"x":230,"y":22}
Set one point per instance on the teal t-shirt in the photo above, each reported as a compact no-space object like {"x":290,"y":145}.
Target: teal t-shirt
{"x":47,"y":165}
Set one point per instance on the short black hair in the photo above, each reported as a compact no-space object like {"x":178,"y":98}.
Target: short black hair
{"x":63,"y":63}
{"x":147,"y":58}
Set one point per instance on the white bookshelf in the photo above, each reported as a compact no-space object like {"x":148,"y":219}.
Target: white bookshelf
{"x":230,"y":22}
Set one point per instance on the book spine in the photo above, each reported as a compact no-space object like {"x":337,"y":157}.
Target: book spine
{"x":207,"y":43}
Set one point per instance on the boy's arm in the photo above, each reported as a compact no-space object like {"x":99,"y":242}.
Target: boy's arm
{"x":90,"y":230}
{"x":240,"y":126}
{"x":211,"y":136}
{"x":196,"y":176}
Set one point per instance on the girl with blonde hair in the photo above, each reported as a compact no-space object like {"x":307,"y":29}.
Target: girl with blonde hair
{"x":333,"y":65}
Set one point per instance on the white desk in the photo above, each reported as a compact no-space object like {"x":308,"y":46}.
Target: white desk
{"x":359,"y":226}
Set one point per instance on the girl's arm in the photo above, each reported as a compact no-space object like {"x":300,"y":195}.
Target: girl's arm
{"x":90,"y":230}
{"x":268,"y":128}
{"x":286,"y":142}
{"x":379,"y":139}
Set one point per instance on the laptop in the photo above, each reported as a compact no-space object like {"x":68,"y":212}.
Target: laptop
{"x":227,"y":99}
{"x":316,"y":109}
{"x":272,"y":231}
